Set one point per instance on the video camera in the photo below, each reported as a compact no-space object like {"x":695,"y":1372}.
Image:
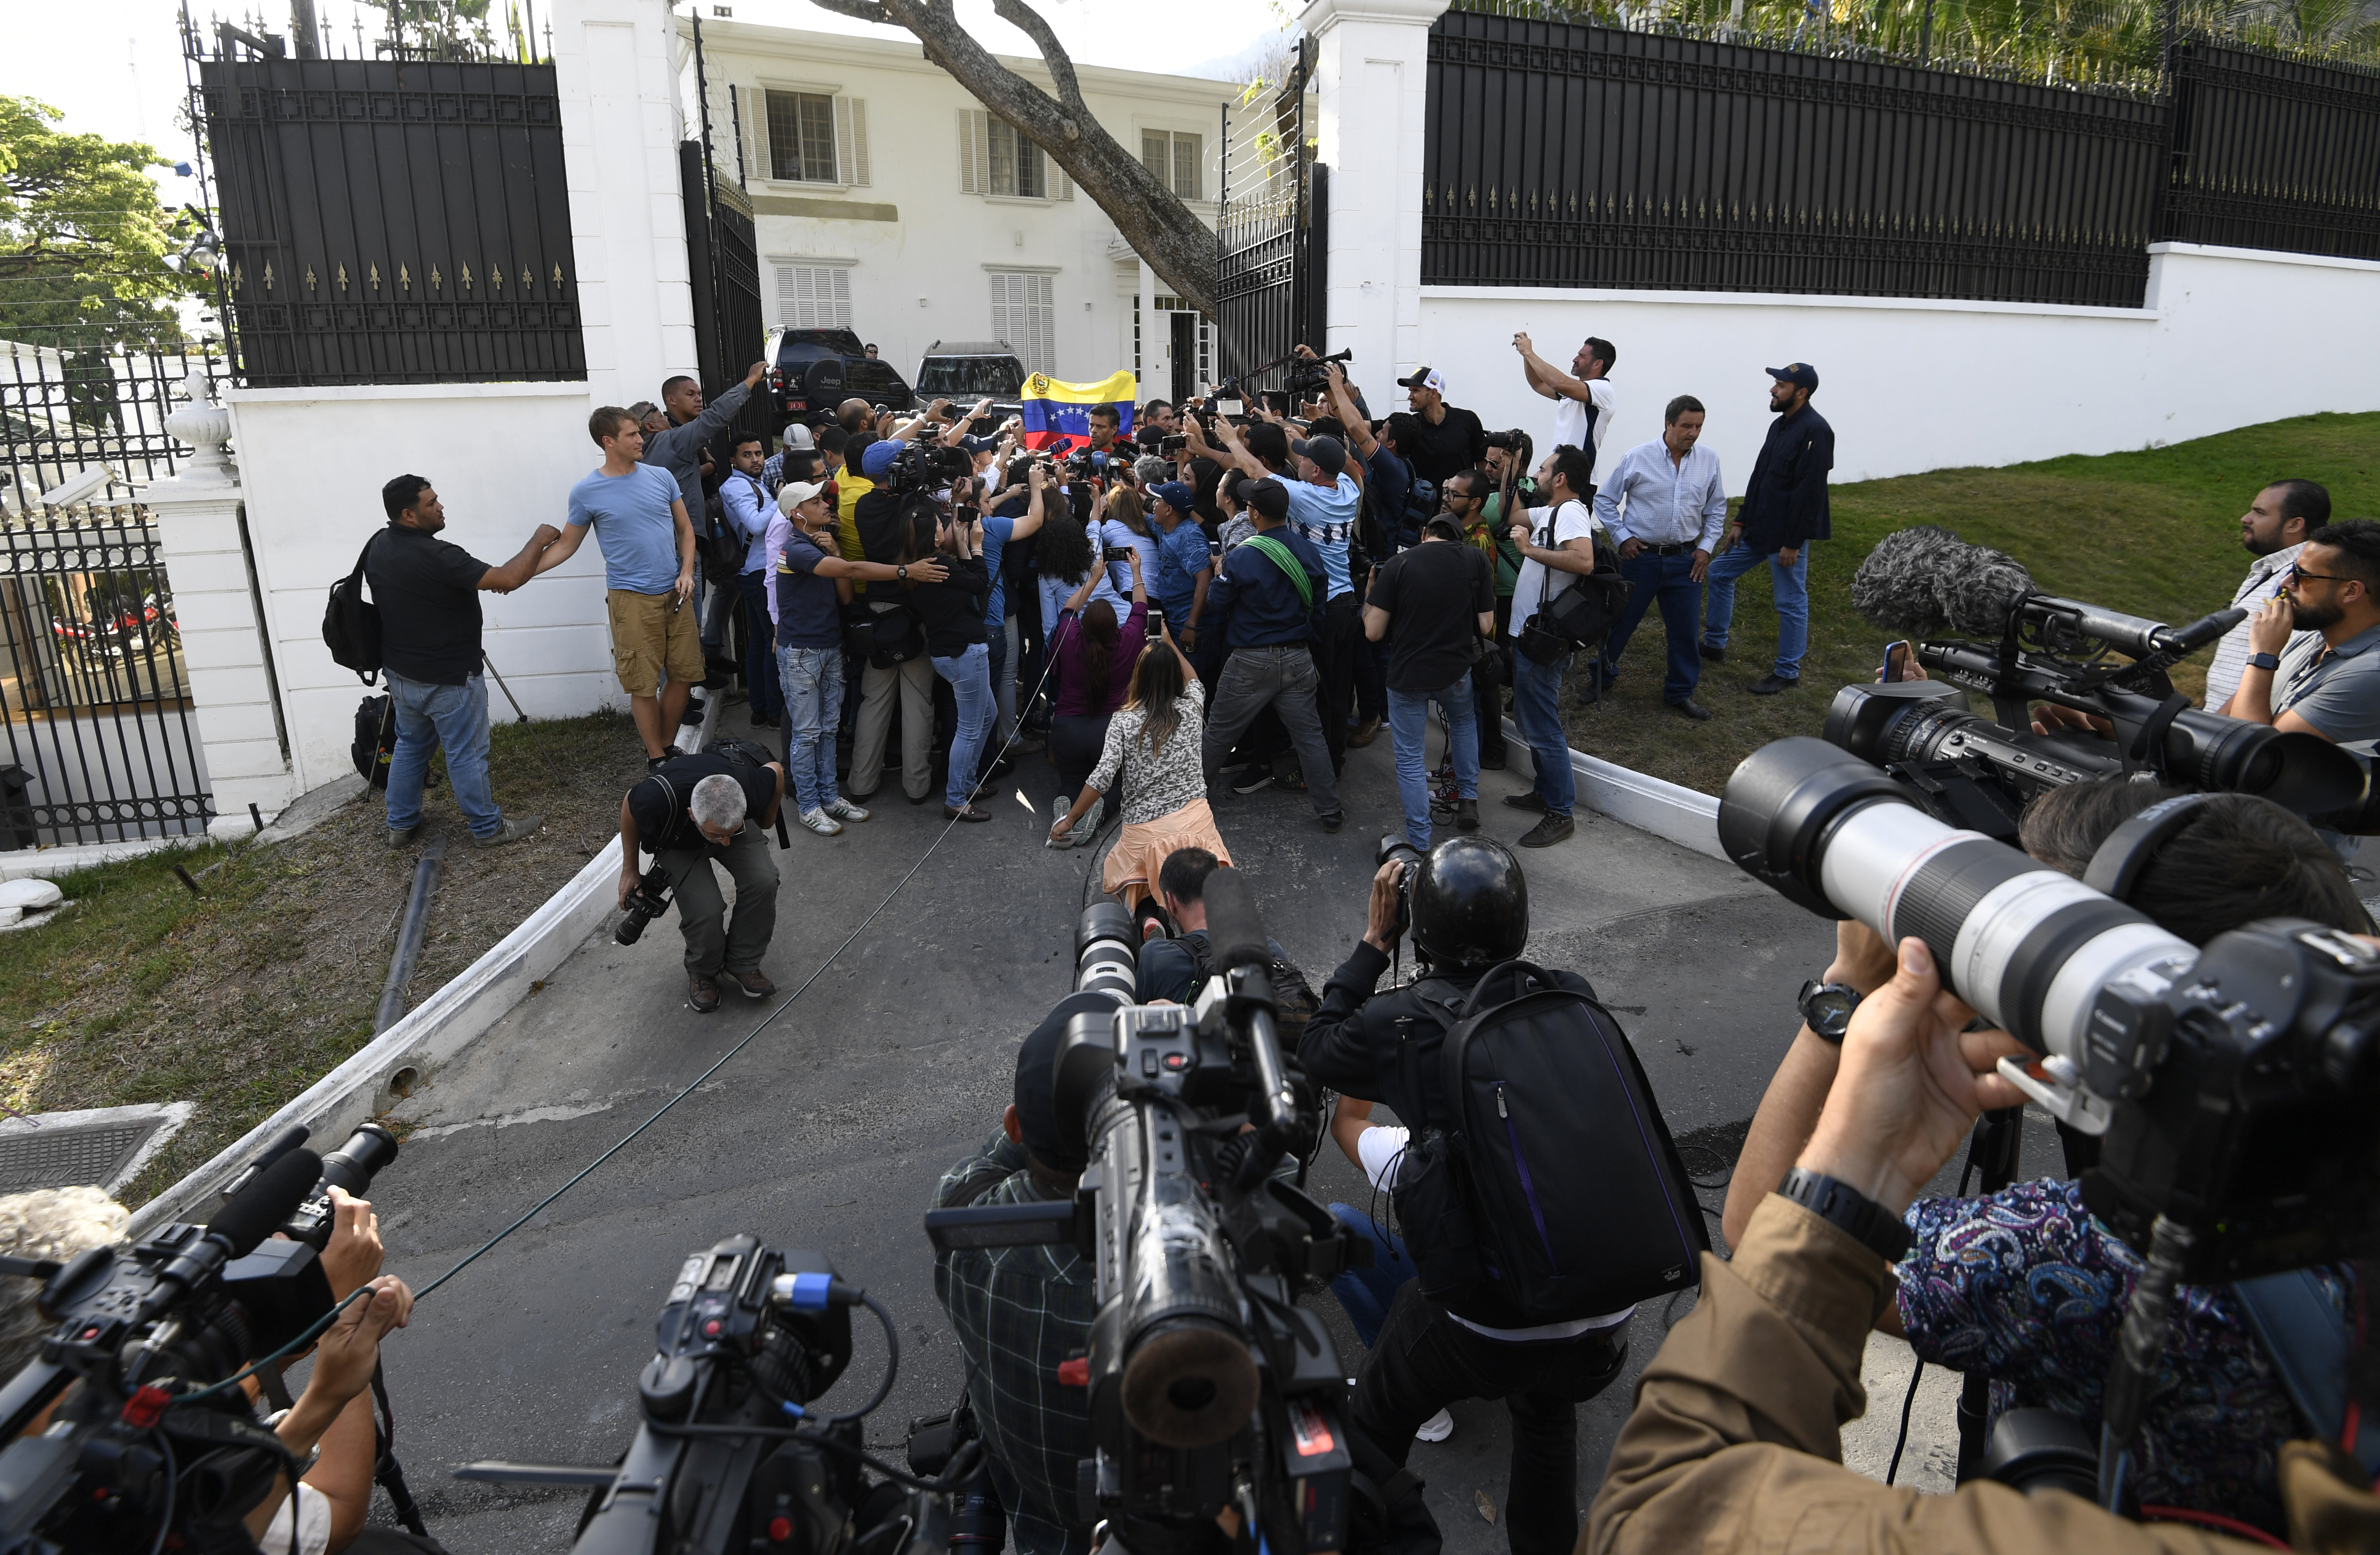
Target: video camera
{"x":1210,"y":1389}
{"x":1308,"y":377}
{"x":157,"y":1443}
{"x":729,"y":1455}
{"x":925,"y":466}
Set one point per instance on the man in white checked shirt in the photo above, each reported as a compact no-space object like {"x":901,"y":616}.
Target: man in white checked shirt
{"x":1665,"y":505}
{"x":2271,"y":530}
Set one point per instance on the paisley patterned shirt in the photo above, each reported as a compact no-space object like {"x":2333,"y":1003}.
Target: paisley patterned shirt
{"x":2027,"y":1286}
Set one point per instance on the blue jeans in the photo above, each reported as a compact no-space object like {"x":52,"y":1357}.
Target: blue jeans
{"x":811,"y":680}
{"x":1536,"y":708}
{"x":1670,"y":580}
{"x":761,"y":635}
{"x":456,"y":717}
{"x":970,"y":677}
{"x":1003,"y":684}
{"x":1788,"y":586}
{"x":1367,"y":1294}
{"x":1409,"y":735}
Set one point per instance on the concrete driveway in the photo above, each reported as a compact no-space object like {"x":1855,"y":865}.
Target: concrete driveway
{"x":829,"y":1131}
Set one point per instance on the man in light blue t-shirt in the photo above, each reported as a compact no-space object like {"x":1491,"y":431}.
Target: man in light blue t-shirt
{"x":648,"y":543}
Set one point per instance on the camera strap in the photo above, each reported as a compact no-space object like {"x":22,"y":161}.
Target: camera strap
{"x":2149,"y":745}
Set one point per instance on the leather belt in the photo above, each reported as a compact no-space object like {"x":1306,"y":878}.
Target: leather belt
{"x":1677,"y":548}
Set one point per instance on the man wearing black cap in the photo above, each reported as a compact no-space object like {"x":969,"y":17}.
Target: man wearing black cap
{"x":1784,"y":509}
{"x":1446,"y":438}
{"x":1020,"y":1312}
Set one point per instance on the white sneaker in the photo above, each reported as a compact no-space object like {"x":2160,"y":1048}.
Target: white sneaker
{"x":1437,"y":1428}
{"x":820,"y":822}
{"x":844,"y":810}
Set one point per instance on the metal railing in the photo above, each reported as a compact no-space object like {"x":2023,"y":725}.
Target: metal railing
{"x":1265,"y":256}
{"x":64,"y":411}
{"x":97,"y":743}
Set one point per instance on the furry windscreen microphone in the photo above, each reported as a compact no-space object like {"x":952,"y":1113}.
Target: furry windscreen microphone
{"x":1922,"y":581}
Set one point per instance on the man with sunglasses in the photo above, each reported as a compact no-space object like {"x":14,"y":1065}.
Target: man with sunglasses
{"x":2329,"y":684}
{"x":2275,"y":525}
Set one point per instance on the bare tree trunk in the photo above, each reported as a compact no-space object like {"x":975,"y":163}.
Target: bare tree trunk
{"x":1158,"y":226}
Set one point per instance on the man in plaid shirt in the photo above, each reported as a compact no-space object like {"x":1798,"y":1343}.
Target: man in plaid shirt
{"x":1020,"y":1311}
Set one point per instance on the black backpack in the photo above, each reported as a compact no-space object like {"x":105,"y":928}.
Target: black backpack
{"x":351,"y":622}
{"x":376,"y":739}
{"x":1581,"y":615}
{"x":1554,"y":1193}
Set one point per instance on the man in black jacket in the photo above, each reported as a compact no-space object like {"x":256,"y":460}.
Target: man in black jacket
{"x":688,"y":811}
{"x":1784,"y":509}
{"x":1470,"y":911}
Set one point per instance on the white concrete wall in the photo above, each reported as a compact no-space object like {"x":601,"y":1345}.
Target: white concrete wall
{"x":917,"y":248}
{"x":503,"y":458}
{"x":2229,"y":337}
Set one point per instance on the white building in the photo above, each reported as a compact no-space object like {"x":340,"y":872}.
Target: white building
{"x":887,"y":200}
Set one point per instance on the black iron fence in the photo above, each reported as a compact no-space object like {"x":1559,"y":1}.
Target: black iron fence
{"x":1269,"y":254}
{"x":1562,"y":154}
{"x":96,"y":739}
{"x":64,"y":411}
{"x":390,"y":221}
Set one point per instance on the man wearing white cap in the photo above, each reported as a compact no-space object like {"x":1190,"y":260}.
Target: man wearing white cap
{"x":796,"y":440}
{"x":1446,"y":439}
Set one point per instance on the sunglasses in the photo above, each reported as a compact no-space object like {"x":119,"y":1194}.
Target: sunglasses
{"x":2296,"y":571}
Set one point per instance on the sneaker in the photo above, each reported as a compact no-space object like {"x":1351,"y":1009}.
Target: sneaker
{"x":406,"y":838}
{"x":653,"y":763}
{"x":1365,"y":732}
{"x":1334,"y":820}
{"x":1547,"y":832}
{"x":1252,"y":780}
{"x":1690,"y":708}
{"x":751,"y":982}
{"x":510,"y":832}
{"x":844,"y":810}
{"x":1527,"y":800}
{"x":1716,"y":655}
{"x":1772,"y":682}
{"x":1466,"y":819}
{"x":820,"y":822}
{"x":1290,"y":782}
{"x":1437,"y":1428}
{"x":692,"y":717}
{"x":1491,"y":763}
{"x":701,"y":993}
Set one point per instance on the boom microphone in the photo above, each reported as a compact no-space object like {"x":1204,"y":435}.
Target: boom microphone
{"x":1233,"y":923}
{"x":1920,"y":582}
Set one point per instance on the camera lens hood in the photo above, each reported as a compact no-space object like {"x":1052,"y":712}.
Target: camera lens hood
{"x":1781,"y":802}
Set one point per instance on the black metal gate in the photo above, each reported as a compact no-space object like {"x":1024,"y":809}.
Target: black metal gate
{"x":722,"y":253}
{"x":2272,"y":153}
{"x":1269,"y":243}
{"x":391,"y":220}
{"x":98,"y":744}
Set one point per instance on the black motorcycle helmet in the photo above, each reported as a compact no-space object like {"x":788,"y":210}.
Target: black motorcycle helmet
{"x":1470,"y":904}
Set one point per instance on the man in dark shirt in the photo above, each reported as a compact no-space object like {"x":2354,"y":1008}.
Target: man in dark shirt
{"x":1784,"y":509}
{"x":684,"y":451}
{"x":691,"y":810}
{"x":1271,"y":588}
{"x":426,"y":590}
{"x":1434,"y":606}
{"x":1446,"y":439}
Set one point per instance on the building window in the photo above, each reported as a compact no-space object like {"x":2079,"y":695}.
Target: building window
{"x":801,"y":137}
{"x":1024,"y":315}
{"x":1172,"y":157}
{"x":995,"y":159}
{"x":813,"y":297}
{"x":1016,"y":165}
{"x":1203,"y":368}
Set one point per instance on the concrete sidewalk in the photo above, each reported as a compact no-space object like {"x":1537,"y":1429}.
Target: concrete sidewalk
{"x":830,"y":1130}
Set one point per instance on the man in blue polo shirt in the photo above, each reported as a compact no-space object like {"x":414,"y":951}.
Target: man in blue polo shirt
{"x":1271,"y":595}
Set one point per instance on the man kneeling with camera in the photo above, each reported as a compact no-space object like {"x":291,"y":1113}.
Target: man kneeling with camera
{"x":689,"y":811}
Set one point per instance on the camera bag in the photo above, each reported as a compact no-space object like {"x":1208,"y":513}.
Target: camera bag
{"x":1554,"y":1190}
{"x":375,"y":742}
{"x":351,"y":622}
{"x":1581,"y":615}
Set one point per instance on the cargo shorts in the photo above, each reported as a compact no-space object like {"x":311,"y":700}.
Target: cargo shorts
{"x":649,"y":638}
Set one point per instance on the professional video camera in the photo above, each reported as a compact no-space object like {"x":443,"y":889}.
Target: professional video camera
{"x":925,"y":466}
{"x":2237,"y":1086}
{"x":157,"y":1442}
{"x":648,"y":902}
{"x":1210,"y":1391}
{"x":730,"y":1456}
{"x":1970,"y":771}
{"x":1308,"y":377}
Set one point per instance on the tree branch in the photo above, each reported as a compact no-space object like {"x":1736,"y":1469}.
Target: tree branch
{"x":1028,"y":20}
{"x":858,"y":10}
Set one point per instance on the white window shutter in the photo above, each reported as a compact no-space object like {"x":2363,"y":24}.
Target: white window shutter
{"x":755,"y":135}
{"x":1045,"y":324}
{"x":843,"y":158}
{"x":851,"y":123}
{"x":966,"y":154}
{"x":1059,"y":185}
{"x":982,"y":151}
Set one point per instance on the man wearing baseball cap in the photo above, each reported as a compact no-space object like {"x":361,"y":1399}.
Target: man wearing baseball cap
{"x":1183,"y":569}
{"x":1446,"y":439}
{"x":1784,"y":509}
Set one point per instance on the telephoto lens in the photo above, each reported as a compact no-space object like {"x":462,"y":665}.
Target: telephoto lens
{"x":648,"y":902}
{"x":1105,"y":960}
{"x":1395,"y":847}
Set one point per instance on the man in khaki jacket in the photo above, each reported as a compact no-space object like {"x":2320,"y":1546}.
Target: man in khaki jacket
{"x":1736,"y":1444}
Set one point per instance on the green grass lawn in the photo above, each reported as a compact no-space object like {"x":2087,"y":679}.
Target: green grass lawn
{"x":2155,"y":533}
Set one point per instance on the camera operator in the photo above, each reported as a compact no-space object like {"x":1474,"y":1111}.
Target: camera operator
{"x":1469,"y":913}
{"x":691,"y":810}
{"x":2039,"y":1315}
{"x":1736,"y":1435}
{"x":1784,"y":509}
{"x":1584,"y":403}
{"x":2329,"y":683}
{"x":1677,"y":508}
{"x":1022,"y":1312}
{"x":2276,"y":524}
{"x":1175,"y":968}
{"x":1445,"y":439}
{"x":875,"y":533}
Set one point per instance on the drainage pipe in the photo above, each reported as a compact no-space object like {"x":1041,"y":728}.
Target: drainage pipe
{"x":409,"y":936}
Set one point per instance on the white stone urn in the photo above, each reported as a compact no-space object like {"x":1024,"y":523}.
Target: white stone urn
{"x":205,"y":426}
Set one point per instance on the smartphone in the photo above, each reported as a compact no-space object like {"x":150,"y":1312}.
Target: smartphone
{"x":1896,"y":660}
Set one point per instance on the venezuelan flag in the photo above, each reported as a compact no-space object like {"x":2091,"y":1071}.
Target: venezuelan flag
{"x":1058,"y":416}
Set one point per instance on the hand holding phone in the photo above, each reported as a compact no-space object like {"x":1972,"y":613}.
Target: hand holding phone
{"x":1896,"y":662}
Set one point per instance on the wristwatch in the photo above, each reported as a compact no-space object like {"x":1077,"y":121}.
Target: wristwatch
{"x":1839,"y":1204}
{"x":1826,"y":1008}
{"x":2264,"y":660}
{"x":902,"y":572}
